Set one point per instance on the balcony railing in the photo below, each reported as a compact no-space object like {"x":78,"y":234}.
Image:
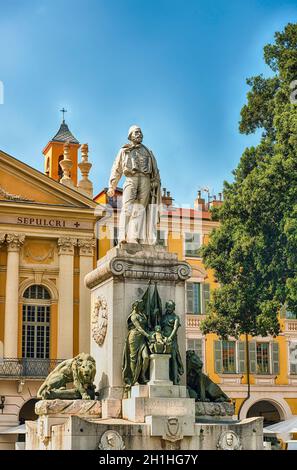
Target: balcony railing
{"x":291,"y":326}
{"x":27,"y":367}
{"x":193,"y":321}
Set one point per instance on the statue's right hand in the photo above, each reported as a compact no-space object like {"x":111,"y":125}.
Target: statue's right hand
{"x":110,"y":192}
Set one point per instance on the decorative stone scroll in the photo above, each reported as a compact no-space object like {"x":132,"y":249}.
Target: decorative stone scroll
{"x":140,"y":262}
{"x":99,"y":320}
{"x":122,"y":267}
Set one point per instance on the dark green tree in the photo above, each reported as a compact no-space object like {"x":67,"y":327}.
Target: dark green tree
{"x":254,"y":251}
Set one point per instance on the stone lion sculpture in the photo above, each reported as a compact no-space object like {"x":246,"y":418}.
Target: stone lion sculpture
{"x":80,"y":371}
{"x":199,"y":385}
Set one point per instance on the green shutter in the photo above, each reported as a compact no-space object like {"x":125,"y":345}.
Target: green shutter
{"x":275,"y":357}
{"x":205,"y":297}
{"x":292,"y":357}
{"x":190,"y":300}
{"x":199,"y":348}
{"x":218,"y":357}
{"x":190,"y":344}
{"x":253,"y":357}
{"x":196,"y":345}
{"x":197,"y":298}
{"x":241,"y":357}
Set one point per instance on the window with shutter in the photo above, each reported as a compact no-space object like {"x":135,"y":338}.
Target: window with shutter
{"x":293,"y":357}
{"x":228,"y":357}
{"x":241,"y":357}
{"x":253,"y":357}
{"x":262,"y":358}
{"x":196,"y":344}
{"x":192,"y":244}
{"x":193,"y":298}
{"x":275,"y":357}
{"x":205,"y":296}
{"x":218,"y":357}
{"x":115,"y":236}
{"x":161,"y":238}
{"x":286,"y":313}
{"x":190,"y":302}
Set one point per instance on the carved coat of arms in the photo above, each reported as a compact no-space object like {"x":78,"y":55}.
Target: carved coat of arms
{"x":99,"y":320}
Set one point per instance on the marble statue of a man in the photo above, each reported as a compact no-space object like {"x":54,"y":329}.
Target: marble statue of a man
{"x":141,"y":191}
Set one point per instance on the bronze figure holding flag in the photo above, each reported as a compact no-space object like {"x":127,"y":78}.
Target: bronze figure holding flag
{"x":151,"y":332}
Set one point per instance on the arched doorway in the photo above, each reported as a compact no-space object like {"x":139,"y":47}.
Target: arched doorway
{"x":267,"y":410}
{"x":27,"y":412}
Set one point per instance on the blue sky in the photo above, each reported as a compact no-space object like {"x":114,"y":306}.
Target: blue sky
{"x":177,"y":68}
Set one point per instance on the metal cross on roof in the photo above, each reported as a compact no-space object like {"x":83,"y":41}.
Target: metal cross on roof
{"x":63,"y":110}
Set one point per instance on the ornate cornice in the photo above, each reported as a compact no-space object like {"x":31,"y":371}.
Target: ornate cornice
{"x":66,"y":245}
{"x":86,"y":246}
{"x":151,"y":263}
{"x":14,"y":241}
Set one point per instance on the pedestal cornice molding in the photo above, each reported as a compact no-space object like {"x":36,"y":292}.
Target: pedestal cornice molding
{"x":14,"y":241}
{"x":138,"y":262}
{"x":86,"y":246}
{"x":66,"y":245}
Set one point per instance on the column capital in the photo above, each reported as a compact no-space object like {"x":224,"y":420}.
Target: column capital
{"x":2,"y":238}
{"x":14,"y":241}
{"x":86,"y":246}
{"x":66,"y":245}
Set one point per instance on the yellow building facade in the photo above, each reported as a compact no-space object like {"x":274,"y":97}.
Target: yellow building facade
{"x":272,"y":389}
{"x":52,"y":232}
{"x":47,"y":246}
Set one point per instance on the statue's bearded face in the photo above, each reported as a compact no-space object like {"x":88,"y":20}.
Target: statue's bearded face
{"x":136,"y":136}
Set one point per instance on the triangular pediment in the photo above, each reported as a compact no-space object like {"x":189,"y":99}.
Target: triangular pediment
{"x":20,"y":182}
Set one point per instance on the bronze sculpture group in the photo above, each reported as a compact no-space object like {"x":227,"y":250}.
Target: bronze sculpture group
{"x":151,"y":333}
{"x":147,"y":334}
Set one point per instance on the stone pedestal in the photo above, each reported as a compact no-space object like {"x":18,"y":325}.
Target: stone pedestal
{"x":157,"y":433}
{"x":155,"y":416}
{"x":122,"y":277}
{"x":159,"y":369}
{"x":52,"y":413}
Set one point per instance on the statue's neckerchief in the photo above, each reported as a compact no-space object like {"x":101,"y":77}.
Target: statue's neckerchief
{"x":134,"y":146}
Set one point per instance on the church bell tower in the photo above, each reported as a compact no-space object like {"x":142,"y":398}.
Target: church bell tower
{"x":54,"y":153}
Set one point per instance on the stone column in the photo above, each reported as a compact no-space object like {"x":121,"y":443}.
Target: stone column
{"x":65,"y":306}
{"x":2,"y":240}
{"x":14,"y":242}
{"x":86,"y":251}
